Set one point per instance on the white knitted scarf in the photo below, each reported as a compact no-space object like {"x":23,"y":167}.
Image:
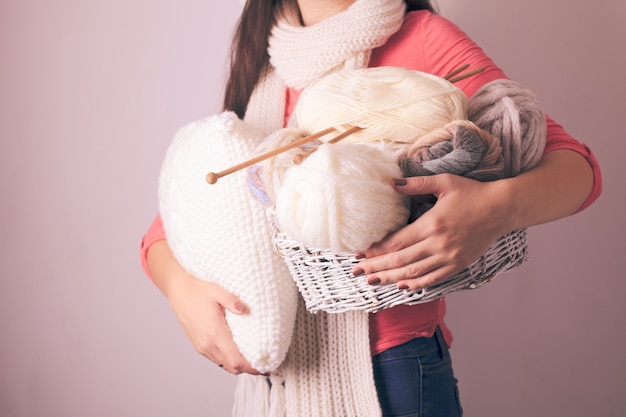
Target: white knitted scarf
{"x":328,"y":369}
{"x":301,"y":55}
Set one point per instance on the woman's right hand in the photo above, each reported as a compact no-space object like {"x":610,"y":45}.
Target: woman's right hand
{"x":200,"y":308}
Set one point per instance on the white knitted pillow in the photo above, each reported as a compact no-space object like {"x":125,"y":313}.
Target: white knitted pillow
{"x":219,"y":233}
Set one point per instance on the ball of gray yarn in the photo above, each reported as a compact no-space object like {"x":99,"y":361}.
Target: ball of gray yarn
{"x":512,"y":113}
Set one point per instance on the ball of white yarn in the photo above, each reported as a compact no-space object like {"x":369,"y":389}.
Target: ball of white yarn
{"x":340,"y":198}
{"x":390,"y":103}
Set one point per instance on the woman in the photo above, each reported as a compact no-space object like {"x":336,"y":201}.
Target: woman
{"x":412,"y":368}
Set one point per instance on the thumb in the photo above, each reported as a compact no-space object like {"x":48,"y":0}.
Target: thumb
{"x":230,"y":301}
{"x":421,"y":185}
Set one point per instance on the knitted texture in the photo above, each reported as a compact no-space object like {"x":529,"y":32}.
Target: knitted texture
{"x":309,"y":49}
{"x":329,"y":366}
{"x":219,"y":233}
{"x":327,"y":373}
{"x":340,"y":42}
{"x":300,"y":55}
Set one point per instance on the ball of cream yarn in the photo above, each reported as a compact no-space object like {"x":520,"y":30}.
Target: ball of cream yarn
{"x":391,"y":104}
{"x":340,"y":198}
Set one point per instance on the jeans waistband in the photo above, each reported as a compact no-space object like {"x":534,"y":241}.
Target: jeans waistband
{"x":417,"y":346}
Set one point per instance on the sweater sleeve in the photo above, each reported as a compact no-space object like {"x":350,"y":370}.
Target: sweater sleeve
{"x":430,"y":43}
{"x":557,"y":139}
{"x":454,"y":48}
{"x":155,"y":233}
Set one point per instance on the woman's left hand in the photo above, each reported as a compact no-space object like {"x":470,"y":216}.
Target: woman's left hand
{"x":467,"y":218}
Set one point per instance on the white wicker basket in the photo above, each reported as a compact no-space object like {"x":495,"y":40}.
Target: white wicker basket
{"x":326,"y":283}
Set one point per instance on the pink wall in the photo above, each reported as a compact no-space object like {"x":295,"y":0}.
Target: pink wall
{"x":90,"y":95}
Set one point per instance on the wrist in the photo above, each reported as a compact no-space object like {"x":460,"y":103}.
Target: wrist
{"x":553,"y":189}
{"x":507,"y":210}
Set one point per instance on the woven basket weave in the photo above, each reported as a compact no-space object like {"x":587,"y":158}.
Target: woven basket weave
{"x":326,"y":283}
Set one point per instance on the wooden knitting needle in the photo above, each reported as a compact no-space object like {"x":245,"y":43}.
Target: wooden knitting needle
{"x":298,"y":158}
{"x":456,"y":71}
{"x":212,"y":177}
{"x":466,"y":75}
{"x":345,"y":134}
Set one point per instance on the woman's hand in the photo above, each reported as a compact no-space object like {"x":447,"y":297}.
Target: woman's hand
{"x":466,"y":219}
{"x":470,"y":215}
{"x":200,"y":308}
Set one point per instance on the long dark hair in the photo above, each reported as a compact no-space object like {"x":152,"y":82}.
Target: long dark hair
{"x":248,"y":52}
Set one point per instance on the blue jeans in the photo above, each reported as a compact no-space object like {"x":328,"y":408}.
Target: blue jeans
{"x":415,"y":379}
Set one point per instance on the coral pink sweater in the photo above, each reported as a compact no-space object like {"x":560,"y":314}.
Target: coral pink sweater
{"x":429,"y":43}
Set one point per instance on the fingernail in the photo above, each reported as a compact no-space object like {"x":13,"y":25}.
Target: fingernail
{"x":403,"y":287}
{"x":359,"y":255}
{"x":399,"y":181}
{"x":357,"y":271}
{"x":240,"y":307}
{"x":374,"y":281}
